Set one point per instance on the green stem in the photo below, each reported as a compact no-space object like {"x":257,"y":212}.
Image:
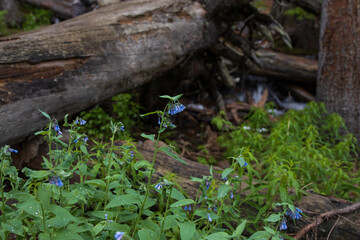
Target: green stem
{"x":43,"y":217}
{"x":196,"y":199}
{"x":108,"y":170}
{"x":166,"y":210}
{"x":150,"y":176}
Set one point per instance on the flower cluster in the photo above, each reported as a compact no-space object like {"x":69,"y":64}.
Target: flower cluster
{"x":81,"y":121}
{"x":187,"y":208}
{"x":283,"y":224}
{"x":119,"y":235}
{"x":175,"y":108}
{"x":57,"y":129}
{"x":294,"y":215}
{"x":84,"y":139}
{"x":56,"y":181}
{"x":10,"y":150}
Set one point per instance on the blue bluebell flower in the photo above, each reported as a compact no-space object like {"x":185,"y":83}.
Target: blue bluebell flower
{"x":294,"y":215}
{"x":85,"y":139}
{"x":106,"y":218}
{"x":57,"y":129}
{"x":215,"y":209}
{"x":209,"y":217}
{"x":13,"y":150}
{"x":176,"y":108}
{"x":245,"y":164}
{"x":122,"y":128}
{"x":119,"y":235}
{"x":283,"y":224}
{"x":187,"y":208}
{"x":207,"y":184}
{"x":158,"y":186}
{"x":56,"y":181}
{"x":231,"y":195}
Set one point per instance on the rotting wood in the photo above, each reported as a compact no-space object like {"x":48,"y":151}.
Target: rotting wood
{"x":273,"y":64}
{"x":72,"y":65}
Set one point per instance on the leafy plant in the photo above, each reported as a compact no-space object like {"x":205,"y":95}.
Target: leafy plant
{"x":302,"y":150}
{"x":300,"y":13}
{"x":114,"y":195}
{"x":35,"y":17}
{"x":98,"y":120}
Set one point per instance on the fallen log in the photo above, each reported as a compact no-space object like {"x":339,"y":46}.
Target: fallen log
{"x":271,"y":64}
{"x":70,"y":66}
{"x":61,"y":8}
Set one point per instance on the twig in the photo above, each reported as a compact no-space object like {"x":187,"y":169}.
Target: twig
{"x":328,"y":236}
{"x":324,"y":216}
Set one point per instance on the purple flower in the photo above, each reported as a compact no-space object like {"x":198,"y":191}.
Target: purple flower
{"x":57,"y":129}
{"x":85,"y":139}
{"x":176,"y":108}
{"x":209,"y":218}
{"x":56,"y":181}
{"x":207,"y":184}
{"x":187,"y":208}
{"x":283,"y":224}
{"x":294,"y":215}
{"x":13,"y":150}
{"x":158,"y":186}
{"x":119,"y":235}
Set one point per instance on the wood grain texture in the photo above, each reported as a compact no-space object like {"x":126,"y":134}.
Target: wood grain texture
{"x":67,"y":67}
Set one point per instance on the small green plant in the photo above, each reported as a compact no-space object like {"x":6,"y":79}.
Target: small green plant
{"x":3,"y":27}
{"x":302,"y":150}
{"x":35,"y":17}
{"x":98,"y":120}
{"x":300,"y":14}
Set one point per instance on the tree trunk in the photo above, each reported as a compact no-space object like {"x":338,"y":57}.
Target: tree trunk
{"x":70,"y":66}
{"x":338,"y":83}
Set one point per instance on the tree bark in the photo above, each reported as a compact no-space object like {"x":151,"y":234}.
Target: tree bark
{"x":338,"y":83}
{"x":70,"y":66}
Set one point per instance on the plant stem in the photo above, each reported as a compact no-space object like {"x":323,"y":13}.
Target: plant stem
{"x":108,"y":169}
{"x":150,"y":176}
{"x":166,"y":209}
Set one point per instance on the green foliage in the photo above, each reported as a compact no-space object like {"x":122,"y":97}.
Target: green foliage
{"x":115,"y":194}
{"x":35,"y":17}
{"x":98,"y":121}
{"x":302,"y":150}
{"x":3,"y":28}
{"x":300,"y":13}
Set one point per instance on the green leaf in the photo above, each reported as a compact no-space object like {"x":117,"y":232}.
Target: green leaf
{"x":62,"y":218}
{"x":169,"y":152}
{"x":45,"y":114}
{"x":275,"y":217}
{"x":175,"y":98}
{"x":240,"y":229}
{"x":66,"y":234}
{"x":98,"y":228}
{"x":32,"y":207}
{"x":176,"y":194}
{"x":269,"y":230}
{"x":283,"y":194}
{"x":170,"y":222}
{"x":84,"y":150}
{"x":260,"y":235}
{"x":44,"y":236}
{"x":150,"y":136}
{"x":147,"y":234}
{"x":123,"y":200}
{"x":226,"y":172}
{"x":35,"y":174}
{"x":183,"y":202}
{"x":96,"y":182}
{"x":44,"y":196}
{"x":187,"y":230}
{"x":223,"y":190}
{"x":218,"y":236}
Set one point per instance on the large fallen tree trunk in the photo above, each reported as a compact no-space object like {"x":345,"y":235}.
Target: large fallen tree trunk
{"x":67,"y":67}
